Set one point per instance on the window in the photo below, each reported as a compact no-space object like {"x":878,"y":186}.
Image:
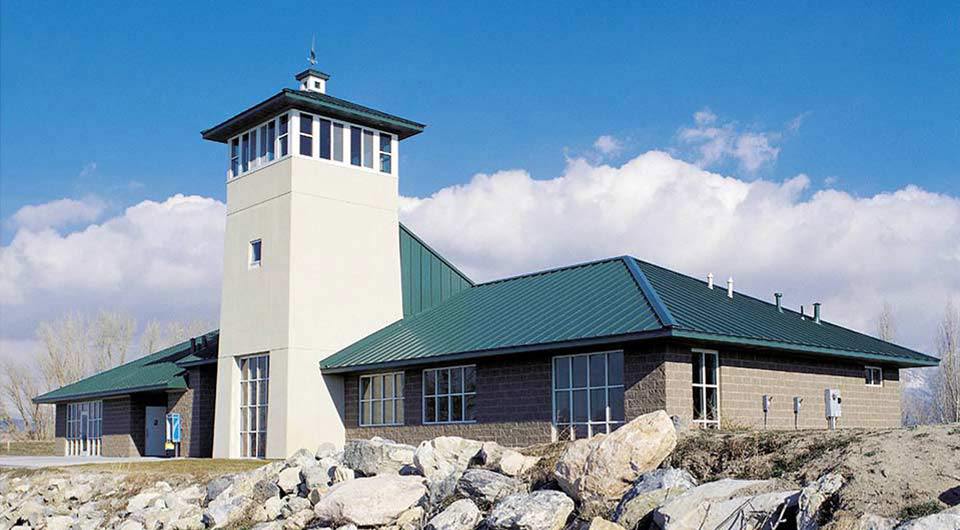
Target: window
{"x":385,"y":152}
{"x":263,"y":145}
{"x":381,"y":399}
{"x":449,"y":395}
{"x":271,"y":139}
{"x":254,"y":393}
{"x":234,"y":157}
{"x":306,"y":134}
{"x":84,"y":422}
{"x":255,"y":247}
{"x":245,"y":151}
{"x":874,"y":375}
{"x":587,"y":394}
{"x":367,"y":148}
{"x":252,"y":152}
{"x":283,"y":139}
{"x":706,"y":388}
{"x":338,"y":142}
{"x":324,"y":138}
{"x":355,"y":146}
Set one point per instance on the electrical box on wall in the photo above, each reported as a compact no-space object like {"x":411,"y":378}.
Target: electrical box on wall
{"x":831,"y":402}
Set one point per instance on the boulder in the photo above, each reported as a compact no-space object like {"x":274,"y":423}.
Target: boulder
{"x":289,"y":479}
{"x":268,"y":525}
{"x":487,"y":487}
{"x":268,"y":510}
{"x":292,"y":505}
{"x":650,"y":490}
{"x":410,"y":519}
{"x":59,"y":522}
{"x":326,"y":449}
{"x":298,"y":520}
{"x":372,"y":501}
{"x":377,"y":456}
{"x":144,"y":500}
{"x":130,"y":524}
{"x":302,"y":458}
{"x":263,"y":490}
{"x":226,"y":509}
{"x":514,"y":464}
{"x":79,"y":492}
{"x":489,"y":455}
{"x":869,"y":521}
{"x":460,"y":515}
{"x":540,"y":510}
{"x":442,"y":461}
{"x":217,"y":486}
{"x":340,"y":473}
{"x":938,"y":521}
{"x":813,"y":496}
{"x":722,"y":503}
{"x":599,"y":523}
{"x":316,"y":494}
{"x":315,"y":476}
{"x":192,"y":494}
{"x":599,"y":470}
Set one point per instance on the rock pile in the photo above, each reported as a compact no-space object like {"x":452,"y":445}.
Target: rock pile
{"x":610,"y":482}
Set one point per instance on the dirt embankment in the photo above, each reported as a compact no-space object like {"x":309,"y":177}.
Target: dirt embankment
{"x":893,"y":473}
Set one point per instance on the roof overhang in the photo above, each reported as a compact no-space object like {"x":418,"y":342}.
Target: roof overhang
{"x":659,"y":334}
{"x":325,"y":105}
{"x":163,"y":387}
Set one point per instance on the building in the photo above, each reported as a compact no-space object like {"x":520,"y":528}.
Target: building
{"x":337,"y":322}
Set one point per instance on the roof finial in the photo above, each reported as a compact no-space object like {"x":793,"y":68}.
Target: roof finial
{"x":313,"y":52}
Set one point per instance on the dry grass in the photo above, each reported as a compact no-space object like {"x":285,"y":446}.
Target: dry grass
{"x":27,"y":448}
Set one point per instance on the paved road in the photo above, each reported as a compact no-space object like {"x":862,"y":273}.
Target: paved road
{"x":59,"y":461}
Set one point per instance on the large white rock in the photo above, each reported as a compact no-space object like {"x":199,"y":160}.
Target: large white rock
{"x":651,"y":489}
{"x":460,"y":515}
{"x":487,"y":487}
{"x":59,"y":522}
{"x":377,"y":456}
{"x":869,"y":521}
{"x":514,"y":464}
{"x":812,"y":498}
{"x":599,"y":523}
{"x":598,"y":471}
{"x":442,"y":460}
{"x":540,"y":510}
{"x":372,"y":501}
{"x":947,"y":520}
{"x":289,"y":479}
{"x":711,"y":505}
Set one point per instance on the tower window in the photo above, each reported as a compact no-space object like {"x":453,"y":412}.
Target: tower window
{"x":385,"y":153}
{"x":338,"y":142}
{"x":283,"y":140}
{"x":355,"y":146}
{"x":255,"y":250}
{"x":234,"y":157}
{"x":263,"y":144}
{"x":306,"y":134}
{"x":252,"y":152}
{"x":271,"y":139}
{"x":324,"y":138}
{"x":245,"y":151}
{"x":368,"y":148}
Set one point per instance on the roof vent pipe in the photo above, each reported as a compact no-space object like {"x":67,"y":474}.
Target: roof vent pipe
{"x":778,"y":296}
{"x":802,"y":316}
{"x":730,"y":287}
{"x":709,"y":280}
{"x":193,"y":344}
{"x":816,"y":312}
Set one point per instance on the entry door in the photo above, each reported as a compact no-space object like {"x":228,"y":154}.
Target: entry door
{"x":155,"y":434}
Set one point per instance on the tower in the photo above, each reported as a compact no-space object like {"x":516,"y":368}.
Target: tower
{"x":311,"y":261}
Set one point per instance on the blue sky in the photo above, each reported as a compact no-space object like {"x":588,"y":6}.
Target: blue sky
{"x":108,"y":99}
{"x":800,"y":149}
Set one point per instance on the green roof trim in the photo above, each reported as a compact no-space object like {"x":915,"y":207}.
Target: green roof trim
{"x":315,"y":103}
{"x":313,"y":71}
{"x":158,"y":371}
{"x":617,"y":299}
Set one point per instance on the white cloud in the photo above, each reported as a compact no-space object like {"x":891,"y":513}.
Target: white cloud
{"x":156,"y":260}
{"x":850,"y":253}
{"x":716,"y":142}
{"x":607,"y":145}
{"x":58,"y":213}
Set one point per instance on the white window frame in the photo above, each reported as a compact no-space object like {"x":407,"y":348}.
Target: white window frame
{"x":78,"y":444}
{"x":609,"y":424}
{"x":703,"y":386}
{"x":449,"y":395}
{"x":250,"y":261}
{"x":879,"y":371}
{"x":253,"y":402}
{"x":260,"y":160}
{"x":396,"y":401}
{"x":380,"y":152}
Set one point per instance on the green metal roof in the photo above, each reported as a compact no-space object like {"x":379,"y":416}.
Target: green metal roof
{"x":614,"y":299}
{"x":590,"y":300}
{"x":158,"y":371}
{"x":313,"y":102}
{"x":426,"y":277}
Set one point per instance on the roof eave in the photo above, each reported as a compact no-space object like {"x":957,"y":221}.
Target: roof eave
{"x":42,"y":400}
{"x":288,"y":99}
{"x":803,"y":348}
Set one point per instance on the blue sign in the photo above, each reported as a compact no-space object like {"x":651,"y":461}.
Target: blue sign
{"x":173,"y":428}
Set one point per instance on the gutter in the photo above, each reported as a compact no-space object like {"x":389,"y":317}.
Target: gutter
{"x":40,"y":400}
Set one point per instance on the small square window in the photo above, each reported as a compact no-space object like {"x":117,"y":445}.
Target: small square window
{"x":255,"y":247}
{"x":316,"y":84}
{"x":873,"y":376}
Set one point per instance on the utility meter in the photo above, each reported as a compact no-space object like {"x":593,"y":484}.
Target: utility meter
{"x":831,"y":403}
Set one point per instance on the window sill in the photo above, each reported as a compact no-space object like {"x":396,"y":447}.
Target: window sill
{"x":449,"y":422}
{"x":381,"y":425}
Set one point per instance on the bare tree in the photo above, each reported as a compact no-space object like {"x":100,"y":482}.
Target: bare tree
{"x":19,"y":384}
{"x":948,"y":375}
{"x":67,"y":346}
{"x":886,"y":325}
{"x":159,"y":335}
{"x":112,"y":337}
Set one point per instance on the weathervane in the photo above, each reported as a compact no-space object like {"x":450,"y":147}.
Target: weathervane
{"x":313,"y":53}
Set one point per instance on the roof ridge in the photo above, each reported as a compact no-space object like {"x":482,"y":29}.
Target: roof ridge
{"x":550,"y":271}
{"x":649,"y":292}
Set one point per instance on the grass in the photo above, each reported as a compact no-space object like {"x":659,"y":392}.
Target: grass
{"x":28,"y":448}
{"x":922,"y":509}
{"x":177,"y":466}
